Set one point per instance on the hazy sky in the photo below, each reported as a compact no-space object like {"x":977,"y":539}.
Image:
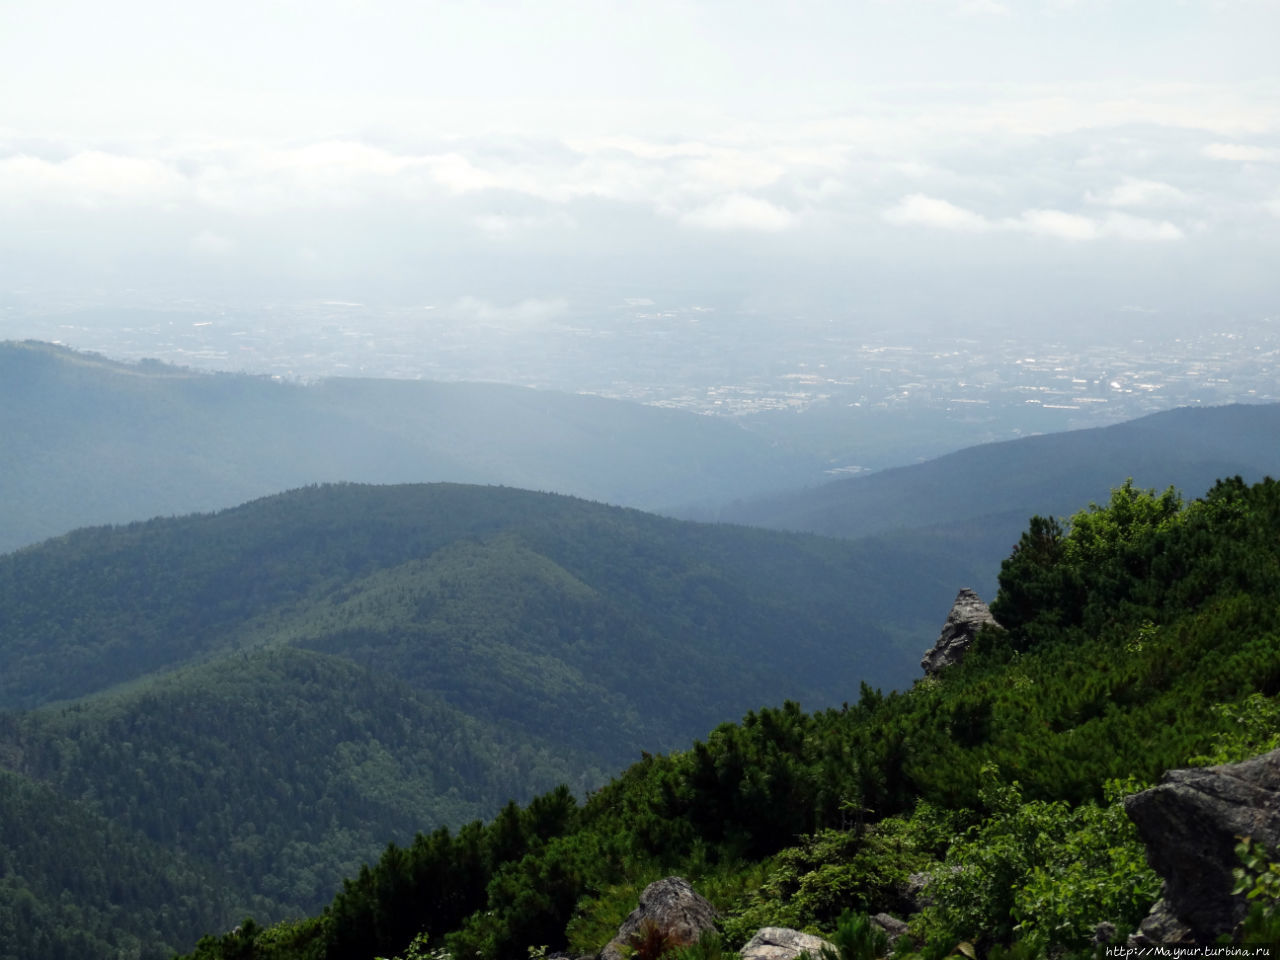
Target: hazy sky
{"x":922,"y":161}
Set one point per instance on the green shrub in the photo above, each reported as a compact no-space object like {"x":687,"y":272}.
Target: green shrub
{"x":811,"y":885}
{"x":1250,"y":727}
{"x":856,"y":938}
{"x":1040,"y":870}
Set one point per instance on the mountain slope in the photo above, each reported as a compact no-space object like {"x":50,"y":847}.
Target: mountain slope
{"x":1056,"y":473}
{"x":274,"y":691}
{"x":281,"y":771}
{"x":1144,"y":636}
{"x":77,"y":884}
{"x":90,"y":441}
{"x":560,"y":577}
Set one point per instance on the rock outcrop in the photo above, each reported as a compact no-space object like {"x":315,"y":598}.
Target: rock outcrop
{"x":893,"y":928}
{"x":671,"y":906}
{"x":1190,"y":823}
{"x":783,"y":943}
{"x":968,"y":615}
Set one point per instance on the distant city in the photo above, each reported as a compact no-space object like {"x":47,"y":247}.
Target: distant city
{"x":696,"y":358}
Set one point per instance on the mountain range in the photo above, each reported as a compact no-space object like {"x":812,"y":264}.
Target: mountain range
{"x":89,"y":441}
{"x":266,"y":695}
{"x":229,"y":712}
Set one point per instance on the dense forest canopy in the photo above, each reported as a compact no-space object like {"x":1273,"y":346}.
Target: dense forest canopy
{"x":1140,"y":635}
{"x":272,"y":693}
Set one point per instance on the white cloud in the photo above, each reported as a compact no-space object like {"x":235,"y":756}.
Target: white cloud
{"x":1125,"y":227}
{"x":922,"y":210}
{"x":1075,"y":227}
{"x":982,"y":8}
{"x":1134,"y":192}
{"x":1242,"y":153}
{"x":505,"y":226}
{"x":458,"y":174}
{"x":86,"y":177}
{"x":738,"y":212}
{"x":209,"y":245}
{"x":1056,"y":223}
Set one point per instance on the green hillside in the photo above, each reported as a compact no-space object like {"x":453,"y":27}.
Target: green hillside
{"x":281,"y":770}
{"x":974,"y":503}
{"x":273,"y":692}
{"x":77,"y":884}
{"x":389,"y":573}
{"x":90,"y":441}
{"x":1140,"y":636}
{"x":1188,"y":448}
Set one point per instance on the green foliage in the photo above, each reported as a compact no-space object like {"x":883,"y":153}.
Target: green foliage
{"x":1156,"y":616}
{"x":810,"y":886}
{"x":278,"y":690}
{"x":1160,"y":613}
{"x":1250,"y":727}
{"x":1060,"y":577}
{"x":1098,"y":872}
{"x":420,"y":948}
{"x":856,"y":938}
{"x":1041,"y":871}
{"x":709,"y":946}
{"x":1257,"y":877}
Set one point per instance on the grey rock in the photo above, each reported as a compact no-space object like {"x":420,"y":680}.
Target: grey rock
{"x":1104,"y":933}
{"x":783,"y":943}
{"x":894,"y":928}
{"x":1161,"y":927}
{"x":674,"y":907}
{"x":913,"y":894}
{"x":1190,"y":823}
{"x":968,"y":616}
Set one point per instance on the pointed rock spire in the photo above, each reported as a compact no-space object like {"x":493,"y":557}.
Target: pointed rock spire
{"x":968,"y":615}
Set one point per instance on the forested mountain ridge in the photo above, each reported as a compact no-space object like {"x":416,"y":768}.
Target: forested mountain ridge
{"x":974,"y":503}
{"x":273,"y":692}
{"x":1139,"y":636}
{"x":161,"y":440}
{"x":1004,"y":483}
{"x":111,"y":604}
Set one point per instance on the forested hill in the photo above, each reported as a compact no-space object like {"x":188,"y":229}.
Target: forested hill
{"x":261,"y":698}
{"x":999,"y":485}
{"x":89,"y":441}
{"x":392,"y":575}
{"x":1138,"y":636}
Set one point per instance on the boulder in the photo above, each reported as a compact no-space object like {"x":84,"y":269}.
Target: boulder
{"x":671,"y":906}
{"x":1190,"y":823}
{"x":968,"y":615}
{"x":893,"y":928}
{"x":783,"y":943}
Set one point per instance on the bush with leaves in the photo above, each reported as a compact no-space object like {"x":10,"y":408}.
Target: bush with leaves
{"x":856,"y":938}
{"x":812,"y":884}
{"x":1250,"y":727}
{"x":709,"y":946}
{"x":1040,"y":869}
{"x":1258,"y":878}
{"x":420,"y":949}
{"x":1098,"y":872}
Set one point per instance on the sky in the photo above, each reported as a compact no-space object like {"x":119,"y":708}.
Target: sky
{"x":927,"y":164}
